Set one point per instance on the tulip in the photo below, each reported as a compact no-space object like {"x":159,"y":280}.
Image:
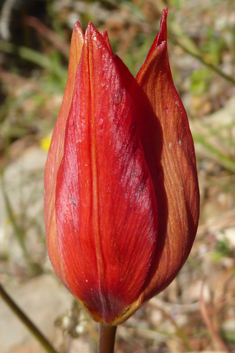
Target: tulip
{"x":121,"y":189}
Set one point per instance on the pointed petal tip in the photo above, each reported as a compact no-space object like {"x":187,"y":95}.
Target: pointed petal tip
{"x":90,"y":30}
{"x":162,"y":34}
{"x":105,"y":33}
{"x":90,"y":25}
{"x":98,"y":39}
{"x":77,"y":26}
{"x":106,"y":39}
{"x":77,"y":36}
{"x":164,"y":12}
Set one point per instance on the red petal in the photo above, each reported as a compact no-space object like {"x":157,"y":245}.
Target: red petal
{"x":106,"y":39}
{"x":126,"y":76}
{"x":161,"y":36}
{"x":105,"y":204}
{"x":169,"y":151}
{"x":56,"y":153}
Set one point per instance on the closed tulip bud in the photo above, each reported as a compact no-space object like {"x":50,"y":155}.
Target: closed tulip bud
{"x":121,"y":189}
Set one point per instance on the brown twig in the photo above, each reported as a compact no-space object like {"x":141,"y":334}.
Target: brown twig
{"x":209,"y":325}
{"x":47,"y":33}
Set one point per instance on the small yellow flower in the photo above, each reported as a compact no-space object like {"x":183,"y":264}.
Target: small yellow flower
{"x":45,"y":143}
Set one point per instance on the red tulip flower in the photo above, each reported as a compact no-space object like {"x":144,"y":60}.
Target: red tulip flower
{"x":121,"y":189}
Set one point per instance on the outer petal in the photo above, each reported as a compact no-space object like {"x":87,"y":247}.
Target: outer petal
{"x":56,"y":153}
{"x":169,"y":151}
{"x":105,"y":204}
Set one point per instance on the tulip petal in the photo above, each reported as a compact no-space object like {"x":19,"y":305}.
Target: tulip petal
{"x":56,"y":153}
{"x":106,"y":210}
{"x":169,"y":151}
{"x":127,"y":78}
{"x":106,"y":39}
{"x":160,"y":37}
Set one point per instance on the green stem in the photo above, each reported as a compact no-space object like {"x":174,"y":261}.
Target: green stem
{"x":106,"y":338}
{"x":34,"y":57}
{"x":26,"y":321}
{"x":17,"y":230}
{"x":210,"y":66}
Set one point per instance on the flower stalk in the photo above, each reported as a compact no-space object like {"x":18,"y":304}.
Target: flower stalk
{"x":107,"y":335}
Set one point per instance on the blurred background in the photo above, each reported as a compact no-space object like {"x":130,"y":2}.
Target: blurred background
{"x":196,"y":313}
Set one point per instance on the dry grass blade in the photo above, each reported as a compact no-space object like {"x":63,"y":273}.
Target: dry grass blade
{"x":210,"y":66}
{"x":209,"y":325}
{"x":178,"y":330}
